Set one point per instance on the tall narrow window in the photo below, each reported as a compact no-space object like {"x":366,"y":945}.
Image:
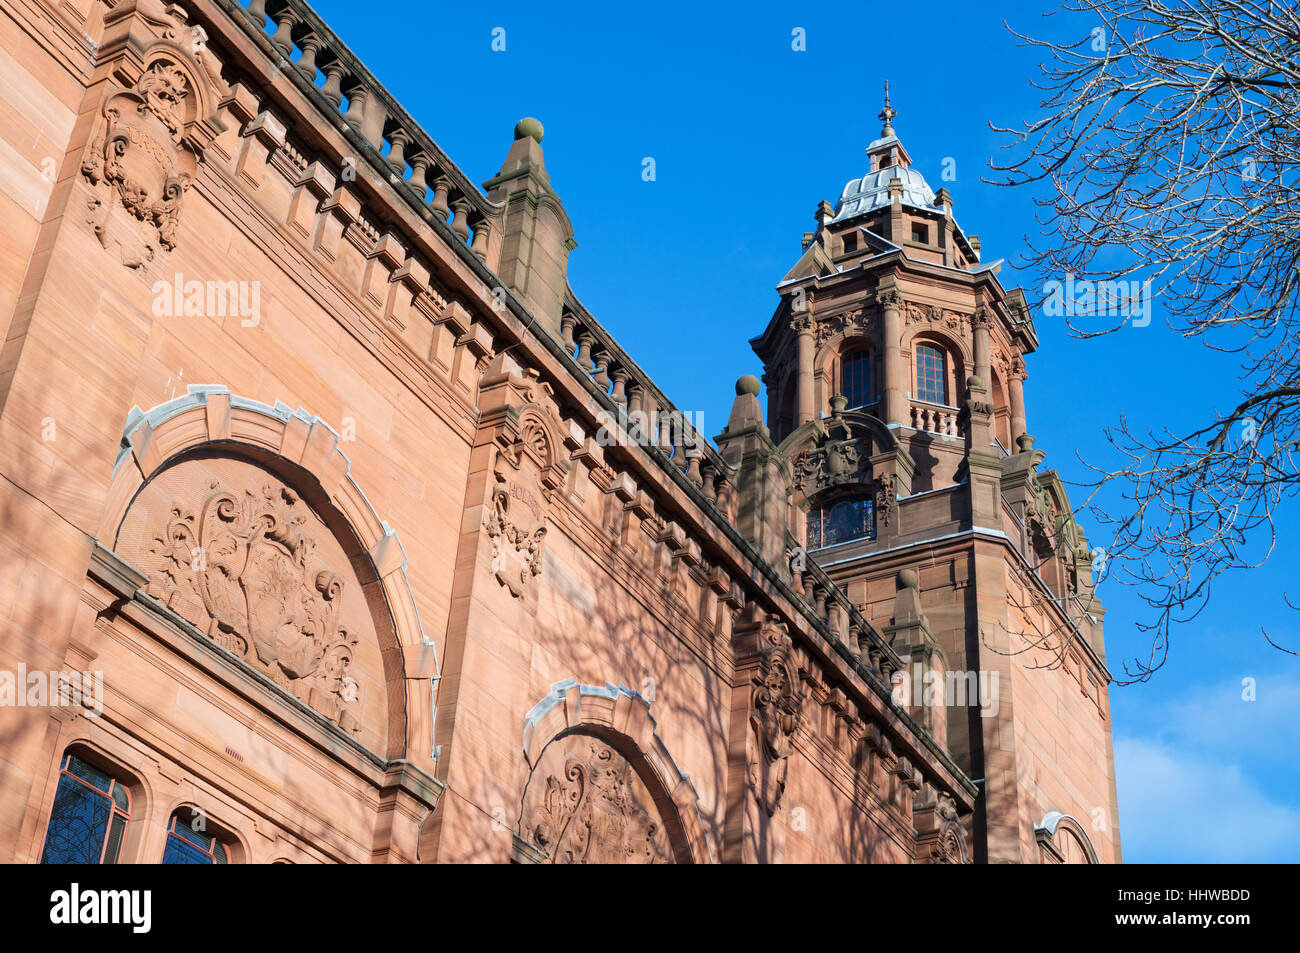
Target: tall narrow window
{"x":841,"y":521}
{"x":931,"y":374}
{"x":856,"y":383}
{"x":186,"y":844}
{"x":88,"y":822}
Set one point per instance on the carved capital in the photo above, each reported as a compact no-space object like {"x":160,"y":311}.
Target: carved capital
{"x":890,"y":298}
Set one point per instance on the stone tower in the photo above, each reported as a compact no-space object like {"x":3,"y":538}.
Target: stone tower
{"x":894,"y":366}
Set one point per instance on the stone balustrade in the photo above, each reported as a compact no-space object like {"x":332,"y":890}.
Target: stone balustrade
{"x":831,"y":605}
{"x":335,"y":75}
{"x":647,"y":415}
{"x":936,"y":418}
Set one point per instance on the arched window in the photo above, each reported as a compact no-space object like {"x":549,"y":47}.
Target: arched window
{"x":931,"y":374}
{"x":188,"y":843}
{"x":88,"y":822}
{"x":840,"y":521}
{"x":855,"y":383}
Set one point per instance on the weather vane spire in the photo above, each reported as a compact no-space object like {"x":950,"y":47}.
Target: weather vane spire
{"x":887,"y":115}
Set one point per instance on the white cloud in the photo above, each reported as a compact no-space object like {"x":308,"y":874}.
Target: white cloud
{"x":1179,"y":806}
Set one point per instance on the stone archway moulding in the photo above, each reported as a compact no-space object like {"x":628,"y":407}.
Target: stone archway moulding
{"x":1045,"y":833}
{"x":620,"y":715}
{"x":212,"y":416}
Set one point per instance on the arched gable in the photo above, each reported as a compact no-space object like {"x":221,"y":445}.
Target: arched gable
{"x":581,"y":738}
{"x":248,"y":488}
{"x":1063,"y":840}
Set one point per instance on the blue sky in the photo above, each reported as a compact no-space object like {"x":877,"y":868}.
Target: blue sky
{"x":748,"y":136}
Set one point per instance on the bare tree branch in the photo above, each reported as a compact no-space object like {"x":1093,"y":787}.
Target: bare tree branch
{"x":1169,"y":155}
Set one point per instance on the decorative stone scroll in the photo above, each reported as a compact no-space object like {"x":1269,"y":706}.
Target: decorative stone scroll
{"x":585,"y":804}
{"x":242,"y":566}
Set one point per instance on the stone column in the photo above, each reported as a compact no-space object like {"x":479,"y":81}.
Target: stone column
{"x":804,"y":402}
{"x":1016,"y":387}
{"x":895,"y":368}
{"x":980,"y":323}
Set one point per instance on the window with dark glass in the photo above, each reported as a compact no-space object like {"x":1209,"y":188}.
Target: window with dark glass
{"x":921,"y":234}
{"x":840,"y":521}
{"x":931,"y":374}
{"x":856,"y":383}
{"x":188,"y":844}
{"x":88,"y":822}
{"x":850,"y":242}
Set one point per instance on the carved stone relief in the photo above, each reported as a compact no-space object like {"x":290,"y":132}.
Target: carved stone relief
{"x":936,"y":317}
{"x":234,"y":551}
{"x":886,"y":498}
{"x":149,"y":138}
{"x":832,"y":325}
{"x":949,"y":846}
{"x":585,"y":804}
{"x":517,"y":526}
{"x":776,"y":710}
{"x":832,"y":464}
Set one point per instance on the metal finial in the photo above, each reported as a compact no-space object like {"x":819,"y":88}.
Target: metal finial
{"x":887,"y":115}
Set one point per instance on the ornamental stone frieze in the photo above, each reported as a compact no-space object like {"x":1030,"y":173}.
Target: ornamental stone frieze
{"x":935,"y":317}
{"x":157,"y":118}
{"x":842,"y":323}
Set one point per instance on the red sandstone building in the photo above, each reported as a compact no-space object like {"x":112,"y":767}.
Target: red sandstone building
{"x":335,"y":529}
